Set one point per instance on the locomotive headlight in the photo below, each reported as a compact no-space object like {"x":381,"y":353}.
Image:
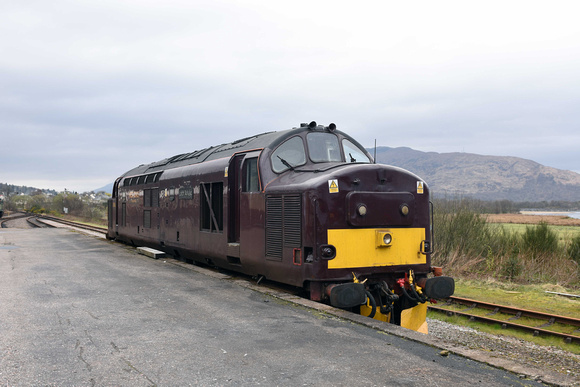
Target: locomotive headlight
{"x":387,"y":239}
{"x":404,"y":209}
{"x":362,"y":210}
{"x":383,"y":238}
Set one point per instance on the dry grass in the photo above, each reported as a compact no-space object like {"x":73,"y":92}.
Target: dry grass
{"x":524,"y":249}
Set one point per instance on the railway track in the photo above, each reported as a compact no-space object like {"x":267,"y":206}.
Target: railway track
{"x":44,"y":221}
{"x":536,"y":323}
{"x":36,"y":223}
{"x":83,"y":226}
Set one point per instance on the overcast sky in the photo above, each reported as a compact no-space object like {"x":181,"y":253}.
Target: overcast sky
{"x":90,"y":89}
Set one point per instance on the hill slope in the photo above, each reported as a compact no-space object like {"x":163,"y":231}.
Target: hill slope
{"x":485,"y":177}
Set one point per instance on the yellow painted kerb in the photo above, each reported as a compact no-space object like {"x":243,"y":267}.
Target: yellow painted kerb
{"x":359,"y":247}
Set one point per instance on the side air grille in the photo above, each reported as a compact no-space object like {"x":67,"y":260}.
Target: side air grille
{"x":292,"y":221}
{"x":283,"y":224}
{"x":274,"y":226}
{"x":147,"y":219}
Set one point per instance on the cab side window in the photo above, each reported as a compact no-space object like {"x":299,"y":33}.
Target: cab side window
{"x":251,"y":181}
{"x":353,"y":153}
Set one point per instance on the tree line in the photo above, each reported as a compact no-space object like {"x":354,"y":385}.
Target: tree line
{"x":89,"y":206}
{"x":506,"y":206}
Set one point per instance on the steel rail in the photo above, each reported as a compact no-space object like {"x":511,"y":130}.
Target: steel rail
{"x":76,"y":224}
{"x":34,"y":222}
{"x":509,"y":323}
{"x":517,"y":311}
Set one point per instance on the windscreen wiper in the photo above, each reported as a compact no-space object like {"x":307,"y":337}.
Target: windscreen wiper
{"x":286,"y":163}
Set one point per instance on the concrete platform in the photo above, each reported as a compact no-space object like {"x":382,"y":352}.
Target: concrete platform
{"x":77,"y":310}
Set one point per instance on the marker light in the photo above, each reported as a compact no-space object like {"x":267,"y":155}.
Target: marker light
{"x":404,"y":209}
{"x":362,"y":210}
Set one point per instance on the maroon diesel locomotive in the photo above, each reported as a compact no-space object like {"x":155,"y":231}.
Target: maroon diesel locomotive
{"x":306,"y":207}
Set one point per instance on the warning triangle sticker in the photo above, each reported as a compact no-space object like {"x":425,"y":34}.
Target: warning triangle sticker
{"x":333,"y":186}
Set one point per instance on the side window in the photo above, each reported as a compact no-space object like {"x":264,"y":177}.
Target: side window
{"x":288,"y":155}
{"x":250,"y":173}
{"x":353,"y":153}
{"x":212,"y":218}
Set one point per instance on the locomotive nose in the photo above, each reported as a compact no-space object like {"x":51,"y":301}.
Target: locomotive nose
{"x":368,"y":209}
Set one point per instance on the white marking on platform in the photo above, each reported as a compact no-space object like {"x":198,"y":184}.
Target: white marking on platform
{"x":152,"y":253}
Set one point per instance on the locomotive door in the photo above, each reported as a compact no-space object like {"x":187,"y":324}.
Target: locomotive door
{"x":114,"y":207}
{"x":234,"y":202}
{"x":242,"y":180}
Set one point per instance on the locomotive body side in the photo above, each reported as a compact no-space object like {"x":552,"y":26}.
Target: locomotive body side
{"x":165,"y":213}
{"x":305,"y":207}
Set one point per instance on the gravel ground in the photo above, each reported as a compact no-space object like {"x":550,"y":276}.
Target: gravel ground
{"x":524,"y":352}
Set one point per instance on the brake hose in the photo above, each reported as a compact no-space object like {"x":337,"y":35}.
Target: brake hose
{"x":373,"y":304}
{"x":421,"y":298}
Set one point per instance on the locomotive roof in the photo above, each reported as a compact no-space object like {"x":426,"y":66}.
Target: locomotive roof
{"x":258,"y":141}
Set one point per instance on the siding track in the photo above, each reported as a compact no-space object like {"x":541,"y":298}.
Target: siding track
{"x":537,"y":323}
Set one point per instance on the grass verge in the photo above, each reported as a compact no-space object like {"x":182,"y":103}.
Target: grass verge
{"x":532,"y":297}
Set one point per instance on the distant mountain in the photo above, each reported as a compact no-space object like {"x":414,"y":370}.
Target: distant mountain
{"x":485,"y":177}
{"x":107,"y":188}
